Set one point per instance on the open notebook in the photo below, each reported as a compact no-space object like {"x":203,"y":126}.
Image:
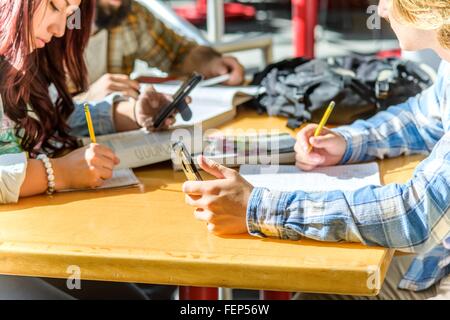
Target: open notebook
{"x":290,"y":178}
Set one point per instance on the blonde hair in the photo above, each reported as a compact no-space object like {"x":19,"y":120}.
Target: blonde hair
{"x":426,"y":15}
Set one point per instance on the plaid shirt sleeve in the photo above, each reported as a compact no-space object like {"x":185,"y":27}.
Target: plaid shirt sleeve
{"x":146,"y":38}
{"x":412,"y":217}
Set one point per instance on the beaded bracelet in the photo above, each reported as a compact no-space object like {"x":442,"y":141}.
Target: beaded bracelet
{"x":50,"y":173}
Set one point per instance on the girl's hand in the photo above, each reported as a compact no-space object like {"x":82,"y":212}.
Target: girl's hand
{"x":148,"y":106}
{"x":141,"y":113}
{"x":222,"y":203}
{"x":87,"y":167}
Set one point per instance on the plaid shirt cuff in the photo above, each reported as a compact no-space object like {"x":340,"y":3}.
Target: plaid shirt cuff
{"x":356,"y":146}
{"x":266,"y":214}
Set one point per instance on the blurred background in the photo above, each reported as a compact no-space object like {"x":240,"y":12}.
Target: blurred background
{"x":341,"y":27}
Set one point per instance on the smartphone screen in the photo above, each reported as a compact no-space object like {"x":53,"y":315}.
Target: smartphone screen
{"x":187,"y":163}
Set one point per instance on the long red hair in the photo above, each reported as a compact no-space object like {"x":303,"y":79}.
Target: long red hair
{"x":25,"y":77}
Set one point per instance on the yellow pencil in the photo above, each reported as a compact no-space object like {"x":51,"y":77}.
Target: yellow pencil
{"x":323,"y":122}
{"x":89,"y":123}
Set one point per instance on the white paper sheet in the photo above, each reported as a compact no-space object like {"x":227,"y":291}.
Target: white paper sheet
{"x":121,"y":178}
{"x":290,"y":178}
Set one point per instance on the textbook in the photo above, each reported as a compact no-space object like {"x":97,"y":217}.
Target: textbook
{"x":211,"y":107}
{"x":137,"y":148}
{"x":290,"y":178}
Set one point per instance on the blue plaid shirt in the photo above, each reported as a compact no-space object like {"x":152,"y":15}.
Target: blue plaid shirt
{"x":411,"y":217}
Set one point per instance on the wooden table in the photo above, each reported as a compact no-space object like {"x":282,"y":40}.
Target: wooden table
{"x":149,"y":235}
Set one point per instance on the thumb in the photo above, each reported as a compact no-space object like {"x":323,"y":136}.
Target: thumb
{"x":215,"y":169}
{"x":323,"y":142}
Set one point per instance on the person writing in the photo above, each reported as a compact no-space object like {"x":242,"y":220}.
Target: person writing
{"x":413,"y":217}
{"x":39,"y":122}
{"x":37,"y":115}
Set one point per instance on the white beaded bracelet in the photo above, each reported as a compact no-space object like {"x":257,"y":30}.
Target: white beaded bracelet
{"x":50,"y":173}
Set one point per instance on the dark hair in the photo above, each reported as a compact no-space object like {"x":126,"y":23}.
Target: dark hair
{"x":25,"y":77}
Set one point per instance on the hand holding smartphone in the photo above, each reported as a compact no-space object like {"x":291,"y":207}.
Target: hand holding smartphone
{"x":187,"y":163}
{"x":179,"y":102}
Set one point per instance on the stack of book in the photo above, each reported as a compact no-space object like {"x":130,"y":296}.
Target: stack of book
{"x":234,"y":151}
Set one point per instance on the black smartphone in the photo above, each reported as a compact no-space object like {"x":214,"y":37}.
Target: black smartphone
{"x":187,"y":163}
{"x":179,"y":102}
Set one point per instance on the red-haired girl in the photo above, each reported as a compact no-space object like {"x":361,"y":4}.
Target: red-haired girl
{"x":38,"y":120}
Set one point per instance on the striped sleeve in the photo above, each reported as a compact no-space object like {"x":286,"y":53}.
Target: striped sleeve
{"x":412,"y":217}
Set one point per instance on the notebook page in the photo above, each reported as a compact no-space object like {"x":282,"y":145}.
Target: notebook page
{"x":121,"y":178}
{"x":290,"y":178}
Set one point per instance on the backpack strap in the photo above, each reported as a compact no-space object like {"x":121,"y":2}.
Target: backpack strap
{"x":364,"y":92}
{"x":414,"y":70}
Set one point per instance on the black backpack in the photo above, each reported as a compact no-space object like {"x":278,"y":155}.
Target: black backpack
{"x":301,"y":89}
